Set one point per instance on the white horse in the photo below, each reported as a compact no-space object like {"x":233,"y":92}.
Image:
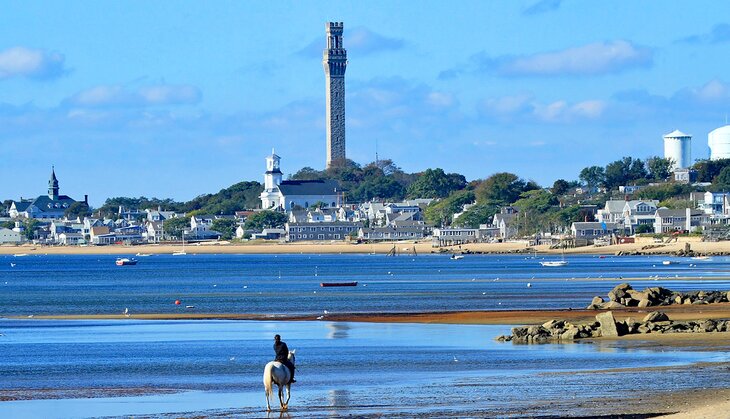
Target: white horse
{"x":277,"y":373}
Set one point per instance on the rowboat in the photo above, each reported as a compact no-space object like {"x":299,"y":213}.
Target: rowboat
{"x":338,"y":284}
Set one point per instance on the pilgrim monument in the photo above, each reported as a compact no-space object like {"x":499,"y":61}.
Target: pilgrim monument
{"x":334,"y":60}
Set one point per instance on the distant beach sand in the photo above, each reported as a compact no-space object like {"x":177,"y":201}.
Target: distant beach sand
{"x":644,"y":245}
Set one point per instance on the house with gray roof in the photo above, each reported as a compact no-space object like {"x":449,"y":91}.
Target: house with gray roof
{"x":329,"y":231}
{"x":670,"y":220}
{"x":50,"y":206}
{"x":592,"y":230}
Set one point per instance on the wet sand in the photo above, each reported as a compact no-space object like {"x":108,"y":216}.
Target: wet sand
{"x":643,"y":245}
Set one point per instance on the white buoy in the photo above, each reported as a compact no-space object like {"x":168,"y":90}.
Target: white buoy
{"x":529,"y":285}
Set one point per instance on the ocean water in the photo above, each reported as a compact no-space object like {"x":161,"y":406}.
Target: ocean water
{"x":289,"y":284}
{"x":185,"y":368}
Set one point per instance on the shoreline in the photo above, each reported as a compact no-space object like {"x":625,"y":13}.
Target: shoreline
{"x":486,"y":317}
{"x":643,"y":245}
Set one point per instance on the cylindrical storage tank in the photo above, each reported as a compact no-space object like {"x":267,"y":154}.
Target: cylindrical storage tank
{"x":677,"y":147}
{"x":719,"y":142}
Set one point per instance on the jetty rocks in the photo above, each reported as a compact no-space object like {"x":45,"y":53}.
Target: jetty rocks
{"x":623,"y":295}
{"x":607,"y":326}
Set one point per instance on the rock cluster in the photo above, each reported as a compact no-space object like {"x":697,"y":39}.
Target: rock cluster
{"x":606,"y":325}
{"x":623,"y":295}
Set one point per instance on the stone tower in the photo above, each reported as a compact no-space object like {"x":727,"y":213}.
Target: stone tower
{"x":53,"y":185}
{"x":334,"y":60}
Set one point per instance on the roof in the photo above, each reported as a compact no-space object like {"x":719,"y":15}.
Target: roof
{"x":594,"y":225}
{"x":309,"y":187}
{"x":666,"y":212}
{"x":21,"y":206}
{"x":722,"y":129}
{"x":676,"y":134}
{"x":615,"y":205}
{"x":43,"y":202}
{"x":327,"y":224}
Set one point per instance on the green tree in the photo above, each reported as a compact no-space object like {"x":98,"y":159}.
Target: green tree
{"x":707,"y":170}
{"x":77,"y":209}
{"x":174,"y":227}
{"x":31,"y":225}
{"x":381,"y":187}
{"x":307,"y":173}
{"x":721,"y":182}
{"x":664,"y":191}
{"x":677,"y":203}
{"x":621,"y":172}
{"x":560,"y":187}
{"x":478,"y":214}
{"x":265,"y":219}
{"x":503,"y":188}
{"x":8,"y":224}
{"x":225,"y":226}
{"x":442,"y":211}
{"x":434,"y":183}
{"x":593,"y":176}
{"x":644,"y":228}
{"x":659,"y":168}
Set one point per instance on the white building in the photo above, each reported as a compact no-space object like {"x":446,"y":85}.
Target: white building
{"x":677,"y":148}
{"x":719,"y":142}
{"x":8,"y":236}
{"x":285,"y":195}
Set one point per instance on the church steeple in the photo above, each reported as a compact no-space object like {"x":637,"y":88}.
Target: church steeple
{"x":53,"y":185}
{"x":272,"y":177}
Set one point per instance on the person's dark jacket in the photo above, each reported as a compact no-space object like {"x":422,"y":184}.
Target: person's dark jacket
{"x":282,"y":352}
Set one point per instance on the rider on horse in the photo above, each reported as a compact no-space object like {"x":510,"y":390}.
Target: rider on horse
{"x":282,"y":355}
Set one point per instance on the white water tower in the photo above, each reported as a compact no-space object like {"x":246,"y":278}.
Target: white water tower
{"x":719,"y":142}
{"x":677,"y":147}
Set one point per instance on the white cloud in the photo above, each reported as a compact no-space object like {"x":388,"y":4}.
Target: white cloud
{"x":30,"y":63}
{"x":586,"y":60}
{"x":120,"y":96}
{"x":525,"y":106}
{"x":595,"y":58}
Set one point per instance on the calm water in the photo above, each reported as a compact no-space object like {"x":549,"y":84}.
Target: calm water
{"x":288,"y":284}
{"x":393,"y":369}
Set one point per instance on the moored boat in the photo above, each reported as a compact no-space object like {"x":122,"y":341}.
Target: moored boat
{"x":554,"y":263}
{"x":126,"y":262}
{"x":338,"y":284}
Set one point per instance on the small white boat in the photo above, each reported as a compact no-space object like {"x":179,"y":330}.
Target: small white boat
{"x":668,"y":262}
{"x":17,"y":255}
{"x":702,"y":258}
{"x":180,"y":253}
{"x":142,"y":254}
{"x":126,"y":262}
{"x":456,"y":257}
{"x":554,"y":263}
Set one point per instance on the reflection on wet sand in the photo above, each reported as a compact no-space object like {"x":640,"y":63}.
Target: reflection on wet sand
{"x":338,"y":330}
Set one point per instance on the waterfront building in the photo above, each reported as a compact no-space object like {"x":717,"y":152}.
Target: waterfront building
{"x":337,"y":230}
{"x":334,"y":61}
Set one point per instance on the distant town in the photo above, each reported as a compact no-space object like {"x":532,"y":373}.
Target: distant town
{"x":662,"y":196}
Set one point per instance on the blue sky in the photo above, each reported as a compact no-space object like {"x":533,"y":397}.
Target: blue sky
{"x":176,"y":99}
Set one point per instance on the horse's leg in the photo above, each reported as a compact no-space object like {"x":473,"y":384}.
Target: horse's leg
{"x":281,"y":400}
{"x":288,"y":395}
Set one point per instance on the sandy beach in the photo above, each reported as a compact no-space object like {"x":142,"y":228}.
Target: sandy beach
{"x":645,"y":245}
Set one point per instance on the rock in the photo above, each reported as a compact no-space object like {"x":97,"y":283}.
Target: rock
{"x":638,"y":295}
{"x":570,"y":334}
{"x":656,"y":316}
{"x":553,"y":324}
{"x":611,"y":305}
{"x":644,"y":303}
{"x":608,"y":324}
{"x":619,"y":291}
{"x":643,"y":329}
{"x":727,"y":296}
{"x":597,"y":300}
{"x":708,"y":326}
{"x":678,"y":299}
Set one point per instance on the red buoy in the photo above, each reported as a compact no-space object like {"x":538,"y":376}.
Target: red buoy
{"x":177,"y":302}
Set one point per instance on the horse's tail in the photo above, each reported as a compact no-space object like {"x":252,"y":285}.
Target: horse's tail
{"x":268,"y":377}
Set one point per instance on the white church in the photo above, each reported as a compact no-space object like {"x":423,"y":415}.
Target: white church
{"x":285,"y":195}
